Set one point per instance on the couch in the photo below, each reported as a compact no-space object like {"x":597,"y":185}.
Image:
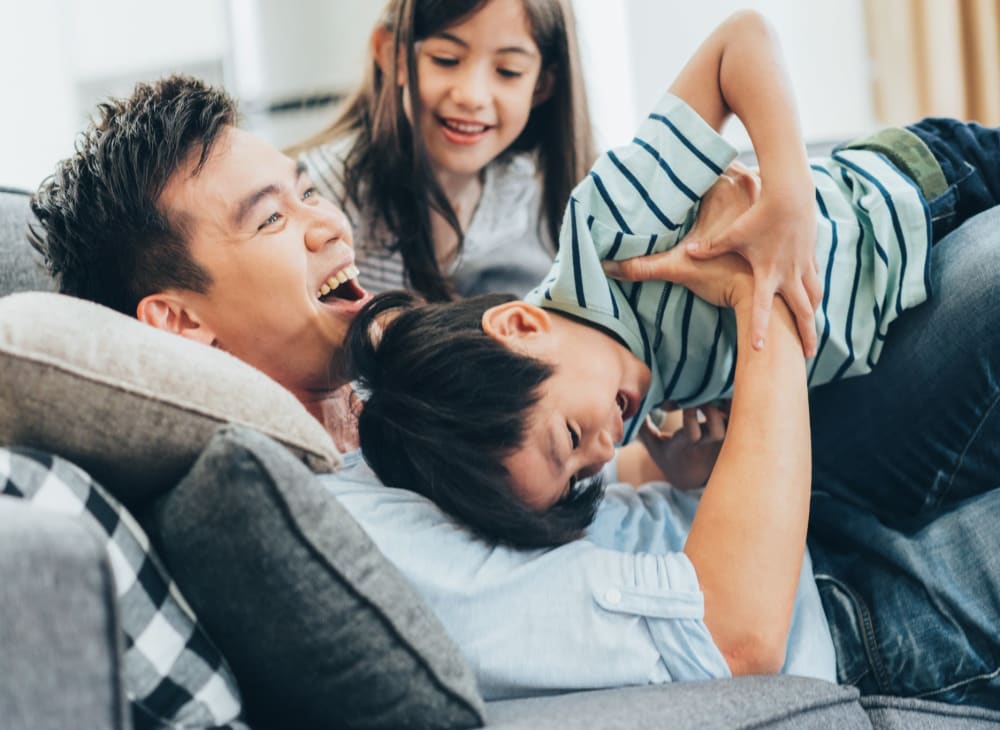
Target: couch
{"x":220,"y":511}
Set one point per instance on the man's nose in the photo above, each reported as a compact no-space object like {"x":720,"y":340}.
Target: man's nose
{"x":325,"y":226}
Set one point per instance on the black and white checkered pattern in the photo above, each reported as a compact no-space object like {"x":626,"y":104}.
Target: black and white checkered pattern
{"x":174,"y":676}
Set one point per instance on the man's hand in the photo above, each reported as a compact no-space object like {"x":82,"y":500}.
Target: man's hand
{"x":686,"y":456}
{"x":776,"y":234}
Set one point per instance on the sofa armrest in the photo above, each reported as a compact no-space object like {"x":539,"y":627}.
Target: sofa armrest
{"x":59,"y":645}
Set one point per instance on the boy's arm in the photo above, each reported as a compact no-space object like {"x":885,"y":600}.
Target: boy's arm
{"x":738,"y":70}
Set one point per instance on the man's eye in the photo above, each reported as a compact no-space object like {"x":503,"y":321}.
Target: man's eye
{"x":573,"y":435}
{"x":271,"y":220}
{"x":444,"y":61}
{"x":510,"y":73}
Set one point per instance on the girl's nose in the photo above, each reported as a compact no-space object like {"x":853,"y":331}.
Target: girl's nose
{"x":470,"y":90}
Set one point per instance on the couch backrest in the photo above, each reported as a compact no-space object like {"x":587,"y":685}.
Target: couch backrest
{"x":21,"y":268}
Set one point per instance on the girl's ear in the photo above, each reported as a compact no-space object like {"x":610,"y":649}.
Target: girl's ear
{"x":383,"y":42}
{"x":544,"y":87}
{"x":169,"y":312}
{"x":513,"y":322}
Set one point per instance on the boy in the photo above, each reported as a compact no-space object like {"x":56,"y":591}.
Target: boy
{"x":554,"y":382}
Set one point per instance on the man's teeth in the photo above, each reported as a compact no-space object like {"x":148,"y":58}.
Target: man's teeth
{"x":345,"y":274}
{"x":465,"y":128}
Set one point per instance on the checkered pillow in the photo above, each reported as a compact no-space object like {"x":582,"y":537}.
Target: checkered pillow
{"x":174,"y":677}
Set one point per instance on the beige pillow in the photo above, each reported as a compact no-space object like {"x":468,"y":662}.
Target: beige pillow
{"x":132,"y":405}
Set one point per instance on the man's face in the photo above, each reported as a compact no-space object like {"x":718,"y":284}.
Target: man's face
{"x":272,"y":247}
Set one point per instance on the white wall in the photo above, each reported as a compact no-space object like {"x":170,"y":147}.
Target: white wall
{"x":57,"y":57}
{"x":633,"y":48}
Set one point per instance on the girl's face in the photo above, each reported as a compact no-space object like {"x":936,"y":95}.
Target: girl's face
{"x":478,"y":82}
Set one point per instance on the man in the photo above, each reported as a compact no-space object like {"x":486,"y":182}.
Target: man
{"x":170,"y":213}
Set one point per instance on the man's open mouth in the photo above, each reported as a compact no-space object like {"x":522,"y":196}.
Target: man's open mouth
{"x":342,"y":285}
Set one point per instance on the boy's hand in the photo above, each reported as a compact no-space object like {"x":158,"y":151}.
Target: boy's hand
{"x":686,"y":461}
{"x":722,"y":281}
{"x":776,"y":235}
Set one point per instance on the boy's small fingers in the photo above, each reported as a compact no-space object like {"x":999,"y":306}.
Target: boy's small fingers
{"x":692,"y":428}
{"x":805,"y":319}
{"x":814,"y":288}
{"x":716,"y":423}
{"x":642,"y":268}
{"x":710,"y":248}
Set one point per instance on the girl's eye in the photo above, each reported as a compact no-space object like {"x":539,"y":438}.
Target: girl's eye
{"x":510,"y":74}
{"x":574,"y":436}
{"x":309,"y":193}
{"x":271,"y":220}
{"x":444,"y":61}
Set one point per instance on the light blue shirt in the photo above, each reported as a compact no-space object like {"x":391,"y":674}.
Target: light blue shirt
{"x":621,"y":607}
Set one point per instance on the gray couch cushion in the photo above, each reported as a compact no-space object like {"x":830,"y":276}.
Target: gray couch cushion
{"x":131,"y":404}
{"x":21,"y":267}
{"x":742,"y":702}
{"x":315,"y":623}
{"x":899,"y":713}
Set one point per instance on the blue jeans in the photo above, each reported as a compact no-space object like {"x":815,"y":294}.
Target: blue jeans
{"x":905,"y":521}
{"x":969,"y":156}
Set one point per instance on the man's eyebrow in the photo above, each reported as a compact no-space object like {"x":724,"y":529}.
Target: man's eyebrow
{"x":506,"y":49}
{"x":246,"y":205}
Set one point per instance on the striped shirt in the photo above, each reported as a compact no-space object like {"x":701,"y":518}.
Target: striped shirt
{"x":506,"y":248}
{"x":872,"y":244}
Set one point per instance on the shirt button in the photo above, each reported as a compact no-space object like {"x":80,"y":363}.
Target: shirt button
{"x":614,"y":597}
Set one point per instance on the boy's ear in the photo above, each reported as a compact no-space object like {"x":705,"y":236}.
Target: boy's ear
{"x":511,"y":322}
{"x":544,"y":87}
{"x":169,"y":312}
{"x":383,"y":42}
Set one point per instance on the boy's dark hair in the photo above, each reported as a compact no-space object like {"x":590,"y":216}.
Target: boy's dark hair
{"x":446,"y":403}
{"x":387,"y":170}
{"x":99,"y":227}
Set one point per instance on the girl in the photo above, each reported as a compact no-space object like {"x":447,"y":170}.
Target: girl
{"x":455,"y":157}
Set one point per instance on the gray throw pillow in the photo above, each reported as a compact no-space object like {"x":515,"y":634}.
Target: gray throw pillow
{"x":130,"y":404}
{"x":318,"y":627}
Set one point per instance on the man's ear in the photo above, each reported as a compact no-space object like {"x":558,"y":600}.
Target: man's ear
{"x":544,"y":87}
{"x":512,"y":322}
{"x":169,"y":312}
{"x":383,"y":47}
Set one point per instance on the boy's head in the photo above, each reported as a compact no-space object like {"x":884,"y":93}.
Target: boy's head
{"x":170,"y":213}
{"x":497,"y":410}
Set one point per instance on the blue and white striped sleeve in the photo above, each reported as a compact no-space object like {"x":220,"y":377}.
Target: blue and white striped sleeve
{"x":652,"y":185}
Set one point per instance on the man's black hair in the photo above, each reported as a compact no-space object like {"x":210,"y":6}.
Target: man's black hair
{"x":446,"y":404}
{"x":100,"y":228}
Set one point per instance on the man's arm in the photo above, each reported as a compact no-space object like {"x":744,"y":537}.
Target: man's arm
{"x":739,"y":70}
{"x":747,"y":539}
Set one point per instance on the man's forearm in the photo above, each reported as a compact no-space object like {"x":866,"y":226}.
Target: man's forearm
{"x":748,"y":537}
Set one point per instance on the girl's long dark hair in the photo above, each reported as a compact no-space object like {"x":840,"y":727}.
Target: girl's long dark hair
{"x":387,"y":169}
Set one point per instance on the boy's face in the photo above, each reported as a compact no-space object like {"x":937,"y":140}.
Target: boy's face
{"x":597,"y":384}
{"x":254,"y":222}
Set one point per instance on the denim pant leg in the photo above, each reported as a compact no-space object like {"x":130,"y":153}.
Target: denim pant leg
{"x":969,"y":156}
{"x":913,"y":611}
{"x":922,"y":430}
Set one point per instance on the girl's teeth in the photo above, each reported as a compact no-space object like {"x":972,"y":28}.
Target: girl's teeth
{"x":324,"y":290}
